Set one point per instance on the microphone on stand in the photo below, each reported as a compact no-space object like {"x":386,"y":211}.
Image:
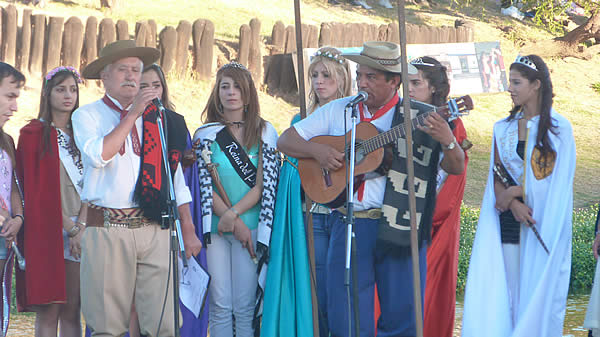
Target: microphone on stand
{"x":159,"y":105}
{"x":360,"y":97}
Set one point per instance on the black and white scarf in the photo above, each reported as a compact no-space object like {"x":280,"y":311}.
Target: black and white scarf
{"x":394,"y":226}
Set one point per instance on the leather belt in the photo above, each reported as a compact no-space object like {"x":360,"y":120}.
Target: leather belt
{"x":373,"y":213}
{"x":121,"y":218}
{"x":317,"y":209}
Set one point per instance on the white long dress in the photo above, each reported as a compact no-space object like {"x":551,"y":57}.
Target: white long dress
{"x":544,"y":278}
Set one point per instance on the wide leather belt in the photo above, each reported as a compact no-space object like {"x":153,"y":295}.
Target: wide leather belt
{"x":121,"y":218}
{"x":317,"y":209}
{"x":373,"y":213}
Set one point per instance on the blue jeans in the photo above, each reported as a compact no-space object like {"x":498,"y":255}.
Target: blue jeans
{"x":322,"y":234}
{"x":389,"y":268}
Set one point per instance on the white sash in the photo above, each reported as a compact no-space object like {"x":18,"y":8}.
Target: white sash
{"x":71,"y":159}
{"x":507,"y":137}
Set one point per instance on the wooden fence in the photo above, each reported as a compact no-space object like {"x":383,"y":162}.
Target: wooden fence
{"x":42,"y":43}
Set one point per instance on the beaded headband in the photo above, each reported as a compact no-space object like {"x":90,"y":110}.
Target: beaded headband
{"x":61,"y":69}
{"x":524,"y":60}
{"x":234,"y":64}
{"x":419,"y":62}
{"x":334,"y":57}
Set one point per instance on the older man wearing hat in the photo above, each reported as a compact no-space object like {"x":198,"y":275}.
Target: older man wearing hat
{"x":381,"y":205}
{"x":125,"y":253}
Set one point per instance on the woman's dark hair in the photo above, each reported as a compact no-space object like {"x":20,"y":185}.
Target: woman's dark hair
{"x":213,"y":112}
{"x":45,"y":114}
{"x":436,"y":74}
{"x":546,"y":95}
{"x":165,"y":94}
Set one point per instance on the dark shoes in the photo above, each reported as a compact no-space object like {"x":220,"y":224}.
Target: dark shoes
{"x":333,"y":2}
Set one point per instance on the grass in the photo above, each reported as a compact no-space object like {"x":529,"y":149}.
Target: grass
{"x":575,"y":81}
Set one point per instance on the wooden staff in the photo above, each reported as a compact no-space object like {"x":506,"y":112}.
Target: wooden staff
{"x":412,"y":204}
{"x":310,"y":243}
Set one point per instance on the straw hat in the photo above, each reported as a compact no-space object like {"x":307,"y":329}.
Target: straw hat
{"x":116,"y":51}
{"x":384,"y":56}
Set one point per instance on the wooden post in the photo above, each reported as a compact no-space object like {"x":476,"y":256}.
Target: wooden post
{"x":53,"y":43}
{"x":167,"y":43}
{"x":9,"y":34}
{"x":254,"y":51}
{"x":184,"y":33}
{"x":244,"y":45}
{"x":122,"y":30}
{"x":106,"y":33}
{"x":207,"y":43}
{"x":141,"y":31}
{"x":37,"y":45}
{"x":412,"y":203}
{"x":25,"y":42}
{"x":72,"y":42}
{"x":90,"y":44}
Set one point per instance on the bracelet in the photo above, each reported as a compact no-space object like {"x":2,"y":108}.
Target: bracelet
{"x":83,"y":224}
{"x":73,"y":231}
{"x":19,"y":216}
{"x":234,"y":211}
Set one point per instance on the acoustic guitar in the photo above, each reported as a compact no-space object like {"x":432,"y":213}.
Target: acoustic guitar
{"x":328,"y":187}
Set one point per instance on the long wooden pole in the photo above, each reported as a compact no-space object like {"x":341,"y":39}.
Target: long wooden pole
{"x":412,"y":204}
{"x":310,"y":243}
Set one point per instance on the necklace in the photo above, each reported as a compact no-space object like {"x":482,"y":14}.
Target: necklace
{"x":239,"y":124}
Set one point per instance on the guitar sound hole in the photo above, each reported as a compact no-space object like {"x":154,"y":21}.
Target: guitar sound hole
{"x":359,"y":153}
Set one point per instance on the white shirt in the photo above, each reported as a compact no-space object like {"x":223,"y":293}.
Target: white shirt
{"x":111,"y":183}
{"x":328,"y":120}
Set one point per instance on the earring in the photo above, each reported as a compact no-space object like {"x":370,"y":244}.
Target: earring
{"x":246,"y":108}
{"x":220,"y":107}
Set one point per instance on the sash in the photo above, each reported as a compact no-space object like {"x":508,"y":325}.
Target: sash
{"x":70,"y":157}
{"x":237,"y":156}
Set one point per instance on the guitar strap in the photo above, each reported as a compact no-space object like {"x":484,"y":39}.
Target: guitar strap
{"x":237,"y":156}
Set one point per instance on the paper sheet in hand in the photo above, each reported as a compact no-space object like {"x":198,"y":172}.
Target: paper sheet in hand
{"x":193,"y":286}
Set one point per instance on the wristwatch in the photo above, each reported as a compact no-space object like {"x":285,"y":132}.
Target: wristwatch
{"x":450,"y":146}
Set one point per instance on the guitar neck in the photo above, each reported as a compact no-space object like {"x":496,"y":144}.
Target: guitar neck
{"x":394,"y":133}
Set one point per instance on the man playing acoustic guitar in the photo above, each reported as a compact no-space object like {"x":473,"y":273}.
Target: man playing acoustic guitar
{"x":381,"y":202}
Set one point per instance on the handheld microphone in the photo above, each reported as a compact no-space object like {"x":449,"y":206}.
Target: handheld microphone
{"x":360,"y":97}
{"x":159,"y":105}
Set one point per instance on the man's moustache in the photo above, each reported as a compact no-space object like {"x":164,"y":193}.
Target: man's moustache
{"x":129,"y":83}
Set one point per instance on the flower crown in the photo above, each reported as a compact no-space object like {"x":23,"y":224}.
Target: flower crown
{"x":234,"y":64}
{"x":334,"y":57}
{"x":526,"y":61}
{"x":61,"y":69}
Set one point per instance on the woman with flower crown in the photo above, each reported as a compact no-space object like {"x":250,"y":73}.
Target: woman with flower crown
{"x":238,"y":172}
{"x":329,"y":79}
{"x":51,"y":167}
{"x":521,"y":259}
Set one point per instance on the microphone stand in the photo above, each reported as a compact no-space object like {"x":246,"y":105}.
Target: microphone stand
{"x":350,"y":220}
{"x":173,"y":220}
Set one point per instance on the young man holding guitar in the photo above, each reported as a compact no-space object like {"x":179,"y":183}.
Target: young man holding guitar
{"x":381,"y":205}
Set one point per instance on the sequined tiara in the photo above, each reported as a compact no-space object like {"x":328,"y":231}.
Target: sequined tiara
{"x":526,"y":61}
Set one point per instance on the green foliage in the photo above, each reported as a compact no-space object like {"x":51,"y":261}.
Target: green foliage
{"x":583,"y":264}
{"x":468,"y":226}
{"x":596,"y":87}
{"x":545,"y":13}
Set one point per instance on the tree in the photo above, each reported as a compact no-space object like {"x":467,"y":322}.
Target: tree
{"x":571,"y":43}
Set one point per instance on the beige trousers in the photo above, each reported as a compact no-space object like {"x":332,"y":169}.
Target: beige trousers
{"x":119,"y":266}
